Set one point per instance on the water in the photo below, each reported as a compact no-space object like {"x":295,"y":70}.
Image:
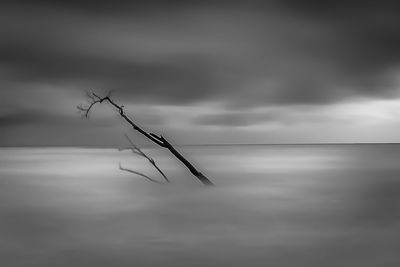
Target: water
{"x":319,"y":205}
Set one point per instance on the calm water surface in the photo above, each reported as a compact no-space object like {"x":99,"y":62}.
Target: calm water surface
{"x":319,"y":205}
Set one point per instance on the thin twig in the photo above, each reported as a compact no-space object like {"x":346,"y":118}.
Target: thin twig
{"x":139,"y":173}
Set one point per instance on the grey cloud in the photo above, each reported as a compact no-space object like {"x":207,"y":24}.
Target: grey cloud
{"x":225,"y":119}
{"x":245,"y":54}
{"x":289,"y":115}
{"x":38,"y":118}
{"x":23,"y":117}
{"x":250,"y":57}
{"x":180,"y":80}
{"x":243,"y":118}
{"x":45,"y":117}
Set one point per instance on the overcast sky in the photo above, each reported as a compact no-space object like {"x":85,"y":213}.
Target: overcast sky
{"x":201,"y":72}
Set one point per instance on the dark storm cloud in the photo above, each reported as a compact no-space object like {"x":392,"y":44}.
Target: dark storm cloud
{"x":41,"y":119}
{"x":283,"y":52}
{"x":23,"y":118}
{"x":245,"y":54}
{"x":165,"y":81}
{"x":123,"y":5}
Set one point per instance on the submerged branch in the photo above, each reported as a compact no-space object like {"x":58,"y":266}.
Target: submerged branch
{"x":139,"y":173}
{"x":135,"y":149}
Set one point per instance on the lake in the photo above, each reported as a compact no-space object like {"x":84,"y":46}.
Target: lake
{"x":272,"y":205}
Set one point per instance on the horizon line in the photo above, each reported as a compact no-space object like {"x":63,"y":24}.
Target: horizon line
{"x":198,"y":145}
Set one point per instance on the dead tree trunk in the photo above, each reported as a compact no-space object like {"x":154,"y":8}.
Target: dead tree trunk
{"x":159,"y":140}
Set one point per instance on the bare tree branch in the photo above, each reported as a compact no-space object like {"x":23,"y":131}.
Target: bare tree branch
{"x":159,"y":140}
{"x":139,"y":173}
{"x":135,"y":149}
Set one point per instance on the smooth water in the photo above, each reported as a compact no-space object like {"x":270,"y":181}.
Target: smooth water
{"x":318,"y":205}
